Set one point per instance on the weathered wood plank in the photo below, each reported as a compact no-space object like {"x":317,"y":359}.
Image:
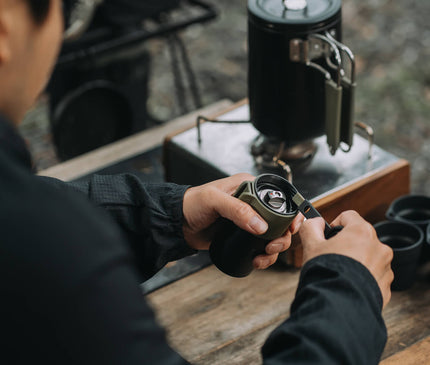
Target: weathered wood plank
{"x":417,"y":354}
{"x":246,"y":350}
{"x":208,"y":311}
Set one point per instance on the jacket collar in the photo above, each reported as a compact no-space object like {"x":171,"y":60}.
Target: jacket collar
{"x":13,"y":145}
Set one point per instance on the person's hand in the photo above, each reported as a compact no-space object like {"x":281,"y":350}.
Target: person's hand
{"x":357,"y":240}
{"x":204,"y":204}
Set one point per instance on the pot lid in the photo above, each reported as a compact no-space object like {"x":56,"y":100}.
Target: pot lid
{"x":294,"y":11}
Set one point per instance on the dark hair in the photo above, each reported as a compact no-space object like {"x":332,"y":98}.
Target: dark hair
{"x":39,"y":9}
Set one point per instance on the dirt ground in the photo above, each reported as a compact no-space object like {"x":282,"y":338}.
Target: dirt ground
{"x":390,"y":38}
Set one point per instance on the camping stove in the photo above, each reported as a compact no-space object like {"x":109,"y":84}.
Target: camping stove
{"x":224,"y":148}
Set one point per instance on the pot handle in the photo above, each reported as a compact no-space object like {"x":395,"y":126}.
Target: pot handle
{"x":348,"y":86}
{"x":333,"y":112}
{"x":347,"y":118}
{"x":315,"y":47}
{"x":389,"y":214}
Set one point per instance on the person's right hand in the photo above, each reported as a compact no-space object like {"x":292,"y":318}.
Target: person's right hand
{"x":357,"y":240}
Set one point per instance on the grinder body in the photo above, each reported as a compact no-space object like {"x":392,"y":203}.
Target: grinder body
{"x":234,"y":249}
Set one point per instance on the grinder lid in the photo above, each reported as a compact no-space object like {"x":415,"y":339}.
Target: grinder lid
{"x":293,"y":12}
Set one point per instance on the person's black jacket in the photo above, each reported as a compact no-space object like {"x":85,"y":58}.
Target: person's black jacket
{"x":70,"y":274}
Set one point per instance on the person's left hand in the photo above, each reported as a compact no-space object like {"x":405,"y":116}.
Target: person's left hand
{"x":204,"y":204}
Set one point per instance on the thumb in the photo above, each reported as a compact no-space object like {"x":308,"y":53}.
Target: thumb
{"x":312,"y":231}
{"x":240,"y":213}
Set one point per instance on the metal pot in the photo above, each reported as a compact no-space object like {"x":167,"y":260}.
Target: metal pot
{"x":300,"y":77}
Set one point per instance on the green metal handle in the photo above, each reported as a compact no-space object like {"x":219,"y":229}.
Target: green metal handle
{"x":333,"y":106}
{"x":347,"y":118}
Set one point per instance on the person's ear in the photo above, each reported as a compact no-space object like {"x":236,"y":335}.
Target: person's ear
{"x":5,"y":22}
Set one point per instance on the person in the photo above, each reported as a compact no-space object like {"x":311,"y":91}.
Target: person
{"x":72,"y":255}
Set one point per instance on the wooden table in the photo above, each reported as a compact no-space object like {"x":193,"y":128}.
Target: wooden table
{"x":215,"y":319}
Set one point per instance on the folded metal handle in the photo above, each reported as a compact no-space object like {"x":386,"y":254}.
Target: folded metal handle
{"x":333,"y":112}
{"x":348,"y":96}
{"x":339,"y":91}
{"x":347,"y":115}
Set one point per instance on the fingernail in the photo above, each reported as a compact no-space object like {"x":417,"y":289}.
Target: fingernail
{"x":258,"y":225}
{"x":274,"y":248}
{"x":263,"y":264}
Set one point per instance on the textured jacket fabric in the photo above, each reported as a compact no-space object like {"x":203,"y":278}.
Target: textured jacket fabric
{"x":72,"y":256}
{"x":335,"y":317}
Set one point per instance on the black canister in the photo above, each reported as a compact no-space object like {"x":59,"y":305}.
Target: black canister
{"x":288,"y":92}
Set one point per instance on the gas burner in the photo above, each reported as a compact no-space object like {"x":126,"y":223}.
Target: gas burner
{"x":270,"y":153}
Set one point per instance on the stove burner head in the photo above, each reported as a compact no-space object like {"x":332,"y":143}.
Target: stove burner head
{"x":268,"y":151}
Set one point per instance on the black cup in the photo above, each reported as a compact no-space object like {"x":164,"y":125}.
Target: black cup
{"x":427,"y":242}
{"x":406,"y":241}
{"x":413,"y":209}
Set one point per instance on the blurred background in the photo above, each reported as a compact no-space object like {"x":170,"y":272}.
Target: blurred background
{"x":391,"y":41}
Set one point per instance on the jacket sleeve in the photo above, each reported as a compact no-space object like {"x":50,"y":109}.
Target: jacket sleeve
{"x":335,"y":317}
{"x":149,"y":215}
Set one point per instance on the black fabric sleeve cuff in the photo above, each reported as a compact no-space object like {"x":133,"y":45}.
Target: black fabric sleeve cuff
{"x":353,"y":270}
{"x":170,"y":226}
{"x":335,"y":317}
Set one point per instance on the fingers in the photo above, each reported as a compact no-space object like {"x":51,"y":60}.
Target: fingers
{"x":230,"y":184}
{"x":279,"y":245}
{"x":273,"y":249}
{"x":385,"y":286}
{"x":346,"y":218}
{"x":312,"y":230}
{"x":383,"y":273}
{"x":359,"y":241}
{"x":262,"y":262}
{"x":296,"y":223}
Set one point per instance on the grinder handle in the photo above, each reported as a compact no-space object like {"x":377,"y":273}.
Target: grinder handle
{"x":309,"y":211}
